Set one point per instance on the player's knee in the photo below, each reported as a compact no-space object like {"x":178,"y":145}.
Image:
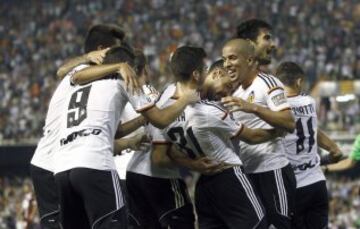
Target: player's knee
{"x":116,"y":220}
{"x":51,"y":221}
{"x":182,"y":218}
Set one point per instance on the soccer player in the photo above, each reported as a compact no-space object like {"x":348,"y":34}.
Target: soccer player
{"x":301,"y":148}
{"x":153,"y":189}
{"x":225,"y":199}
{"x":42,"y":163}
{"x":90,"y":194}
{"x":348,"y":163}
{"x":259,"y":101}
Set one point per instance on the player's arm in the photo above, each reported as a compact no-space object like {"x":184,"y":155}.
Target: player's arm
{"x":161,"y":118}
{"x":159,"y":155}
{"x":256,"y":136}
{"x":95,"y":72}
{"x":203,"y":165}
{"x":329,"y":145}
{"x":91,"y":57}
{"x":280,"y":119}
{"x":130,"y":126}
{"x":350,"y":162}
{"x":133,"y":143}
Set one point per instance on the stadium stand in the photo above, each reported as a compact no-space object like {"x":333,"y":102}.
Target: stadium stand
{"x":36,"y":38}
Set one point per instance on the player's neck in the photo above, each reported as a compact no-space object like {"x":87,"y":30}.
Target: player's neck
{"x":189,"y":85}
{"x":291,"y":92}
{"x":248,"y":81}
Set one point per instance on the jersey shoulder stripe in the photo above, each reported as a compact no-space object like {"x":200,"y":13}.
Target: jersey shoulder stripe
{"x":265,"y":80}
{"x":270,"y":79}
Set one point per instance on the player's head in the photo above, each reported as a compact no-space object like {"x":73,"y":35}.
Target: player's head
{"x":119,"y":54}
{"x":187,"y":64}
{"x":217,"y":83}
{"x":103,"y":36}
{"x":239,"y":59}
{"x":259,"y":32}
{"x":141,"y":67}
{"x":291,"y":75}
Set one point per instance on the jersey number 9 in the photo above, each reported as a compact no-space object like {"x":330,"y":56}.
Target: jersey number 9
{"x":77,"y":107}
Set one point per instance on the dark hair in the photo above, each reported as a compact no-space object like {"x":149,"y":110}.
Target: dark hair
{"x":217,"y":64}
{"x":140,"y":61}
{"x":103,"y":35}
{"x":250,"y":29}
{"x":289,"y":72}
{"x":119,"y":54}
{"x":185,"y":61}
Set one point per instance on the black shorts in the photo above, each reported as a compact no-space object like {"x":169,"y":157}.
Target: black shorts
{"x":46,"y":197}
{"x":312,"y":207}
{"x":91,"y":198}
{"x":158,"y":202}
{"x":228,"y":200}
{"x":277,"y":190}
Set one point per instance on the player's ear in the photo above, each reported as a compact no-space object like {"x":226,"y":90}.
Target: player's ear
{"x":299,"y":83}
{"x":251,"y":61}
{"x":196,"y":76}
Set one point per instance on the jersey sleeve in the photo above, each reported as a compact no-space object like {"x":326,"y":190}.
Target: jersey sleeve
{"x":140,"y":102}
{"x":355,"y":153}
{"x":276,"y":98}
{"x":217,"y":119}
{"x":75,"y":70}
{"x":158,"y":136}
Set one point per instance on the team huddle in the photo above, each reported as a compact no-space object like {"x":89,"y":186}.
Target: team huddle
{"x":252,"y":137}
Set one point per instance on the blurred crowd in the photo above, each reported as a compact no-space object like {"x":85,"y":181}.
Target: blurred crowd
{"x":17,"y":204}
{"x":344,"y":203}
{"x":15,"y":195}
{"x":37,"y":36}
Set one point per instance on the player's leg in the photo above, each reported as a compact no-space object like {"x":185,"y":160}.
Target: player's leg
{"x":102,"y":196}
{"x":46,"y":197}
{"x":72,"y":211}
{"x":205,"y":209}
{"x":277,"y":190}
{"x":170,"y":201}
{"x":140,"y":208}
{"x":317,"y":212}
{"x":235,"y":200}
{"x":133,"y":222}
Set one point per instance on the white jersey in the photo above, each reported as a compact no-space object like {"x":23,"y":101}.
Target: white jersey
{"x":44,"y":151}
{"x":140,"y":163}
{"x":301,"y":145}
{"x":129,"y":113}
{"x":89,"y":124}
{"x":203,"y":129}
{"x":266,"y":91}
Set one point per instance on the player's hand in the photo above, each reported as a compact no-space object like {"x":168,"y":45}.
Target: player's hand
{"x":130,"y":78}
{"x":208,"y":166}
{"x":336,"y":156}
{"x":97,"y":56}
{"x":139,"y":142}
{"x":190,"y":95}
{"x":236,"y":104}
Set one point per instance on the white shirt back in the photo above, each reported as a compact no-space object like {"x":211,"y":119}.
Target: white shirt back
{"x":44,"y":151}
{"x":266,"y":91}
{"x":89,"y":124}
{"x":204,"y":129}
{"x":301,"y":145}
